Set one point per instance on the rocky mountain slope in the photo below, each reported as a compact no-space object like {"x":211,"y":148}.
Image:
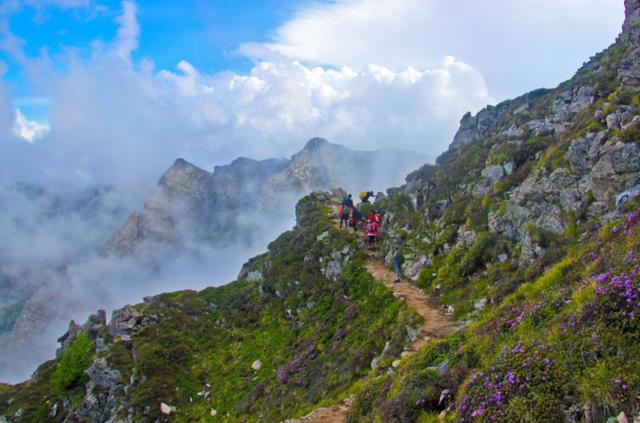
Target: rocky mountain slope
{"x":518,"y":229}
{"x":238,"y":200}
{"x":274,"y":344}
{"x":196,"y":225}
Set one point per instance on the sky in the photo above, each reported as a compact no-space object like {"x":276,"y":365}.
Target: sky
{"x":111,"y":92}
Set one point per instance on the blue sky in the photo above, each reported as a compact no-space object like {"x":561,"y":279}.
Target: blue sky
{"x":90,"y":86}
{"x":206,"y":32}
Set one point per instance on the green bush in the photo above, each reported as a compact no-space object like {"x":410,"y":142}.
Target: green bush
{"x":70,"y":371}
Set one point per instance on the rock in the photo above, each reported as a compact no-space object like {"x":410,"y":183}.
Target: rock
{"x":482,"y":188}
{"x":443,"y":367}
{"x":613,"y":121}
{"x":413,"y":266}
{"x":412,"y":333}
{"x":508,"y":168}
{"x":256,"y":365}
{"x":472,"y":128}
{"x":374,"y":363}
{"x":493,"y":173}
{"x":479,"y":304}
{"x":465,"y":237}
{"x":541,"y":127}
{"x":254,"y":276}
{"x":445,"y":397}
{"x":396,"y":363}
{"x":101,"y":374}
{"x":322,"y":236}
{"x":502,"y":257}
{"x":124,"y":321}
{"x":166,"y":409}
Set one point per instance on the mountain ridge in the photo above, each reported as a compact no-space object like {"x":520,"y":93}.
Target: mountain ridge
{"x":516,"y":230}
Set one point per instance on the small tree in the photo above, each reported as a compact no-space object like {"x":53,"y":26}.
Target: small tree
{"x":70,"y":371}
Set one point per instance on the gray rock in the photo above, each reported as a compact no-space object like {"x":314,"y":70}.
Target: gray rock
{"x":413,"y":266}
{"x":541,"y":127}
{"x":613,"y":121}
{"x":124,"y":321}
{"x":102,"y":375}
{"x":493,"y":173}
{"x":441,"y":368}
{"x":254,"y":276}
{"x":508,"y":168}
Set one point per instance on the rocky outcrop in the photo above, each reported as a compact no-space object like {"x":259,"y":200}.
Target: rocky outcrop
{"x":193,"y":204}
{"x":321,"y":165}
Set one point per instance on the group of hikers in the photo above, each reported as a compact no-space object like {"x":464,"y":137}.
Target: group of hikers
{"x":351,"y":216}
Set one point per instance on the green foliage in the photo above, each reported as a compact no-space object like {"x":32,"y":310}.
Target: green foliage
{"x":74,"y":360}
{"x":631,"y":133}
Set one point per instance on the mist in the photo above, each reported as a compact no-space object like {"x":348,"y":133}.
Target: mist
{"x":115,"y":124}
{"x":55,"y":269}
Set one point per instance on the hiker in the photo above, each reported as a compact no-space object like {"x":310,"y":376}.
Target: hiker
{"x":397,"y":261}
{"x":378,"y":219}
{"x":356,"y":216}
{"x":347,"y":201}
{"x":344,"y":215}
{"x":365,"y":195}
{"x":372,"y":232}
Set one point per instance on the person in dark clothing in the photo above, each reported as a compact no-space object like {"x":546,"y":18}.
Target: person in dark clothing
{"x":396,"y":262}
{"x":344,"y":216}
{"x":347,"y":201}
{"x":357,"y":216}
{"x":364,"y":196}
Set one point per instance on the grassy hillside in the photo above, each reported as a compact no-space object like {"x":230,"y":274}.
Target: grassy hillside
{"x":564,"y":344}
{"x":272,"y":345}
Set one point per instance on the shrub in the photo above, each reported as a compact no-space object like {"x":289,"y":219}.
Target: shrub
{"x":70,"y":371}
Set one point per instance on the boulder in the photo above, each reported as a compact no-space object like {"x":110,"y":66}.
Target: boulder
{"x":101,"y":374}
{"x":493,"y":173}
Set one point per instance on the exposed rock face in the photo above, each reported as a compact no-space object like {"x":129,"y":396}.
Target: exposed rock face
{"x":193,"y":204}
{"x":322,"y":165}
{"x":536,"y":162}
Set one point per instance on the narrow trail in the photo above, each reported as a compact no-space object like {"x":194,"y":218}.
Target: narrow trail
{"x":435,"y":325}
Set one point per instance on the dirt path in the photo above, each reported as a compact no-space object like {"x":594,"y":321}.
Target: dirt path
{"x":435,"y":325}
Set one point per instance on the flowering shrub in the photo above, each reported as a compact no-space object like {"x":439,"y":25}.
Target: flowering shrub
{"x":510,"y":317}
{"x":526,"y":372}
{"x":617,"y":289}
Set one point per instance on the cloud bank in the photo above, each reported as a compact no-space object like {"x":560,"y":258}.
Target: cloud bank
{"x":108,"y":111}
{"x":518,"y":45}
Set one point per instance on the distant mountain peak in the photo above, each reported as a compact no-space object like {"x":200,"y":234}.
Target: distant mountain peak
{"x":315,"y":143}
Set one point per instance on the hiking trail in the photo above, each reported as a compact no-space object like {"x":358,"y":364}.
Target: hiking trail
{"x":435,"y":325}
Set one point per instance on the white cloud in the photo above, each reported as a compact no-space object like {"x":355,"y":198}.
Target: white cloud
{"x":28,"y":130}
{"x":108,"y":112}
{"x":516,"y":44}
{"x":128,"y":31}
